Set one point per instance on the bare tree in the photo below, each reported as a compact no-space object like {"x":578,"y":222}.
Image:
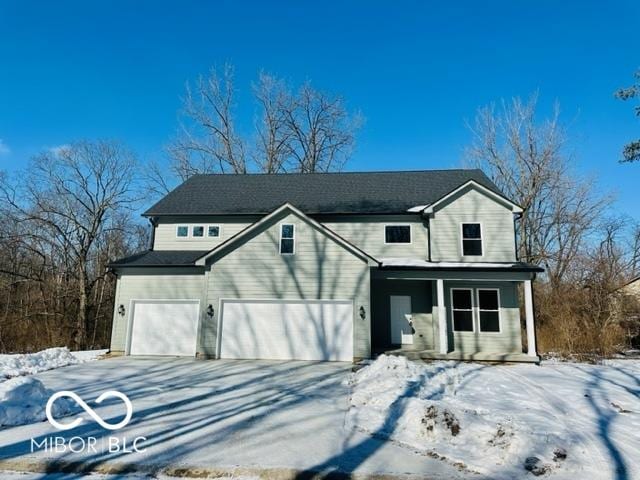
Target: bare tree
{"x":207,"y":140}
{"x":306,"y":131}
{"x":527,"y":160}
{"x":64,"y":207}
{"x":631,"y":151}
{"x":273,"y":143}
{"x":322,"y":132}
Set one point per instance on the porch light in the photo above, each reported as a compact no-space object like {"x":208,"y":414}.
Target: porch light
{"x":121,"y":310}
{"x":363,"y":314}
{"x":210,"y":310}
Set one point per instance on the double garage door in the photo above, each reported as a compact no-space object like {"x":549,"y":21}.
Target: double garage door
{"x":257,"y":329}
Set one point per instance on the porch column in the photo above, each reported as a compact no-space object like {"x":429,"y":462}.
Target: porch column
{"x":528,"y":310}
{"x":442,"y":317}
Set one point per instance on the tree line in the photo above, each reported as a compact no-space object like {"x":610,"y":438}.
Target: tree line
{"x":73,"y":209}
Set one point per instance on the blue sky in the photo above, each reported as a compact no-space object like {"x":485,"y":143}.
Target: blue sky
{"x":416,"y":70}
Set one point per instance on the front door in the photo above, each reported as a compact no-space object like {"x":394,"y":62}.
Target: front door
{"x":400,"y":314}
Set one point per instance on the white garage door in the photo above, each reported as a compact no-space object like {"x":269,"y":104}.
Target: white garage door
{"x":284,"y":330}
{"x":164,"y":328}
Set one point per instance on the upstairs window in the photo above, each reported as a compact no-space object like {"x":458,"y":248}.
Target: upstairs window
{"x":213,"y":231}
{"x":471,"y":239}
{"x":287,"y":239}
{"x":198,"y":231}
{"x":182,"y":231}
{"x":397,"y":234}
{"x":489,"y":310}
{"x":462,"y":309}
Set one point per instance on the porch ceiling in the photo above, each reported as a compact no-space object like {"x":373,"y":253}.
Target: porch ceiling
{"x":418,"y":264}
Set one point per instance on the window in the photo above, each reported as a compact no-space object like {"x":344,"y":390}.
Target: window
{"x":462,"y":308}
{"x":287,"y":239}
{"x":471,"y":239}
{"x":182,"y":231}
{"x":213,"y":231}
{"x":489,"y":310}
{"x":198,"y":231}
{"x":397,"y":234}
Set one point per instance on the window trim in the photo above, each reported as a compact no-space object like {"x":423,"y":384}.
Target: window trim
{"x":462,"y":239}
{"x":473,"y":316}
{"x":497,"y":290}
{"x":179,"y":237}
{"x":196,"y":225}
{"x":384,"y":233}
{"x":214,"y":225}
{"x":293,"y":237}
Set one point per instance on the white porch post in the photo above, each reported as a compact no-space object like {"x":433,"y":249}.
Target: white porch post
{"x":528,"y":309}
{"x":442,"y":317}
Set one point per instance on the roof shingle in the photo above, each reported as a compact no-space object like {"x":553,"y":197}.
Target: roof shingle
{"x":314,"y":193}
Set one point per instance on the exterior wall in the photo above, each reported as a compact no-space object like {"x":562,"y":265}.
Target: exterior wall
{"x":633,"y":288}
{"x":470,"y":205}
{"x":367,"y":233}
{"x":320,"y":269}
{"x":155,"y":283}
{"x":166,"y":239}
{"x":509,"y":339}
{"x":421,"y":304}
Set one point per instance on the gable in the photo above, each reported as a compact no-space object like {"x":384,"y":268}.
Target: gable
{"x":308,"y":233}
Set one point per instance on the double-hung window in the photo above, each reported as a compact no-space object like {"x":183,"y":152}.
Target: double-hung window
{"x":471,"y":239}
{"x":489,"y":309}
{"x":462,"y":309}
{"x":287,"y":239}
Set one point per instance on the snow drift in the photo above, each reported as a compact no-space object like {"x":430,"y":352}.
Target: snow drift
{"x":502,"y":421}
{"x":23,"y":400}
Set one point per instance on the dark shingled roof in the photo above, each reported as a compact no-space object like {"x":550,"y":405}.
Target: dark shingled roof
{"x":160,"y":258}
{"x":314,"y":193}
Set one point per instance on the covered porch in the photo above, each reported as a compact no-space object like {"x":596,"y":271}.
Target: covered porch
{"x":453,"y":311}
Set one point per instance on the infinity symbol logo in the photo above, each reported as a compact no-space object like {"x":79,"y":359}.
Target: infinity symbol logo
{"x":89,"y":410}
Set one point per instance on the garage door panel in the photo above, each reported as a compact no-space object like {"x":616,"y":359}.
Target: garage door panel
{"x":164,"y":328}
{"x":280,"y":330}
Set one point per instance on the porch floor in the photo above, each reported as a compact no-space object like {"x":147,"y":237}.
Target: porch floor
{"x":461,"y":356}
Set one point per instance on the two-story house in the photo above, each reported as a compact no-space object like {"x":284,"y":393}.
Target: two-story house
{"x":329,"y":266}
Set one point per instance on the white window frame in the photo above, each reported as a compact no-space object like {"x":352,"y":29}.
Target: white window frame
{"x":462,"y":239}
{"x":497,"y":290}
{"x":213,"y":225}
{"x":293,"y":237}
{"x":195,"y":225}
{"x":473,"y":321}
{"x":188,"y":231}
{"x":384,"y":233}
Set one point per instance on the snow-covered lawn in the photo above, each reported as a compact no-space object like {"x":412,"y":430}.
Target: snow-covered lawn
{"x":29,"y":363}
{"x":563,"y":420}
{"x":23,"y":398}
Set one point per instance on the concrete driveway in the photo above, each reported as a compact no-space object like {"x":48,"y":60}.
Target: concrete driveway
{"x":271,"y":419}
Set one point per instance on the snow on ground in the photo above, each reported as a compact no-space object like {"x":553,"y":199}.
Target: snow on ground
{"x":8,"y":475}
{"x":22,"y":398}
{"x":29,"y":363}
{"x":563,"y":420}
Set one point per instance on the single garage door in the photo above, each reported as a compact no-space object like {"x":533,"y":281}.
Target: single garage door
{"x":164,"y":328}
{"x":287,"y":330}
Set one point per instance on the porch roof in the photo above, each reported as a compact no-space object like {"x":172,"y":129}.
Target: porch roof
{"x":418,"y":264}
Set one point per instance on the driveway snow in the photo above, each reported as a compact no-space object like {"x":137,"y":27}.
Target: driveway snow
{"x":564,"y":420}
{"x":224,"y":416}
{"x":16,"y":365}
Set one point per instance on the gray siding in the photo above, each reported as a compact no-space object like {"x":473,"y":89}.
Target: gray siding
{"x":320,"y":269}
{"x":156,"y":283}
{"x":509,"y":340}
{"x":421,"y":305}
{"x":367,"y":233}
{"x":166,"y":239}
{"x":498,"y":232}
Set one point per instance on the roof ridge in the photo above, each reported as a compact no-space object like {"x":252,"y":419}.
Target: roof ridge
{"x":359,"y":172}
